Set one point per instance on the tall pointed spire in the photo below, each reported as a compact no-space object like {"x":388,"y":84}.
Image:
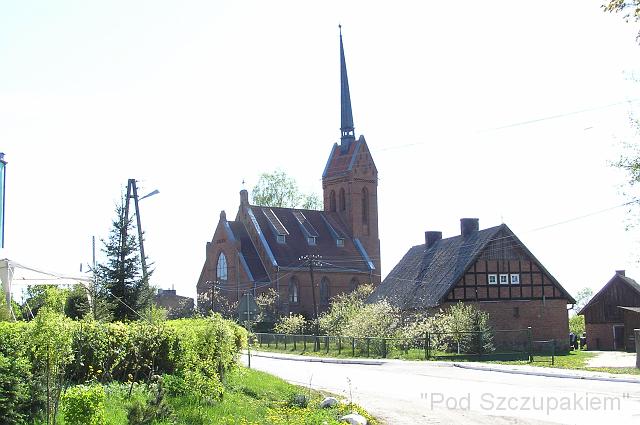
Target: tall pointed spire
{"x":346,"y":122}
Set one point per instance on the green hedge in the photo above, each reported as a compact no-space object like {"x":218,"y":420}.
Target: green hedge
{"x":196,"y":351}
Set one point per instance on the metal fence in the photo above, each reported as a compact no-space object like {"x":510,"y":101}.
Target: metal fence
{"x":496,"y":345}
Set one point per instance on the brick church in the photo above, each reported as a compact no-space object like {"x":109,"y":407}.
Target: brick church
{"x":287,"y":248}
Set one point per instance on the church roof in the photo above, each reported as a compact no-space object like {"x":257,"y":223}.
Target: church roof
{"x":290,"y":233}
{"x":250,"y":256}
{"x":424,"y":276}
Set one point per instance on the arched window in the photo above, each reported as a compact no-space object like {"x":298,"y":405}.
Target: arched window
{"x":365,"y":206}
{"x":221,"y":267}
{"x":342,"y":202}
{"x":324,"y":291}
{"x":332,"y":201}
{"x":293,"y":290}
{"x":353,"y":284}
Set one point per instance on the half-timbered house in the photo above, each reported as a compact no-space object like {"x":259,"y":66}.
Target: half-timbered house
{"x":491,"y":269}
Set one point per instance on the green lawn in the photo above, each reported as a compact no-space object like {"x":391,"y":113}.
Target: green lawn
{"x":251,"y":398}
{"x":576,"y":360}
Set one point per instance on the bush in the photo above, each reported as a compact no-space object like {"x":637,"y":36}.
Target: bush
{"x":293,"y":324}
{"x":15,"y":395}
{"x":576,"y":325}
{"x":344,"y":307}
{"x":84,"y":405}
{"x":463,"y":328}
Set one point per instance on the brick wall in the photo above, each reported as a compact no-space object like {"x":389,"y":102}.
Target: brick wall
{"x":548,"y":320}
{"x":600,"y":336}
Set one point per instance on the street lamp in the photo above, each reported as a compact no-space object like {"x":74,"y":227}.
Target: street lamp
{"x":132,"y":192}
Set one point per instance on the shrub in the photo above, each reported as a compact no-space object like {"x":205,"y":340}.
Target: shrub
{"x":84,"y":405}
{"x":15,"y":397}
{"x":463,"y":328}
{"x":344,"y":307}
{"x":576,"y":325}
{"x":293,"y":324}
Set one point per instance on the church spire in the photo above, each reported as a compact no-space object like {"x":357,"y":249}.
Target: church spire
{"x":346,"y":123}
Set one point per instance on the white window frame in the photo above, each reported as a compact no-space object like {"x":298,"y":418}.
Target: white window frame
{"x":495,"y":279}
{"x":339,"y":242}
{"x":515,"y":278}
{"x":311,"y":240}
{"x":281,"y":239}
{"x":505,"y":277}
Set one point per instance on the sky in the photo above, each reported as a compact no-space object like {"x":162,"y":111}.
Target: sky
{"x":511,"y":112}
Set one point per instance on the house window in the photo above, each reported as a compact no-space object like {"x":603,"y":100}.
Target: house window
{"x":504,"y":279}
{"x":311,"y":240}
{"x":353,"y":284}
{"x":221,"y":267}
{"x":324,"y":291}
{"x":293,"y":291}
{"x":281,"y":239}
{"x":515,"y":279}
{"x":342,"y":202}
{"x":492,"y":279}
{"x":340,"y":242}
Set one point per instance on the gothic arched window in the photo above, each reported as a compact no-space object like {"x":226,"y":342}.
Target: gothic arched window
{"x":365,"y":206}
{"x":353,"y":284}
{"x":293,"y":290}
{"x":342,"y":202}
{"x":332,"y":201}
{"x":221,"y":267}
{"x":324,"y":291}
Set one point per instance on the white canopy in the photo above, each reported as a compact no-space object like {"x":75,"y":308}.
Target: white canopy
{"x":15,"y":274}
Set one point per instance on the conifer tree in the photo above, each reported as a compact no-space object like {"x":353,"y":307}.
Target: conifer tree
{"x":120,"y":280}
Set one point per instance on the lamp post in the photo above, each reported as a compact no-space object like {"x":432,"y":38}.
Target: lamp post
{"x":3,"y":174}
{"x":132,"y":192}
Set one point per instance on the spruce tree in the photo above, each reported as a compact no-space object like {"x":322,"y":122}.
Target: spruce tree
{"x":122,"y":285}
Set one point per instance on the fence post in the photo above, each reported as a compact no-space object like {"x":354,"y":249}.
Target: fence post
{"x":326,"y":344}
{"x":384,"y":348}
{"x":530,"y":344}
{"x":353,"y":346}
{"x":285,"y":342}
{"x":426,"y":345}
{"x":276,"y":336}
{"x":304,"y":342}
{"x":295,"y":348}
{"x":339,"y":345}
{"x":553,"y":352}
{"x":368,"y":341}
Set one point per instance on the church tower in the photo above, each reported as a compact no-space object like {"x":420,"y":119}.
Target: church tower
{"x":350,"y":179}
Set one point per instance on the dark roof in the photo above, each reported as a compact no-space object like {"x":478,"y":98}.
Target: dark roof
{"x":248,"y":251}
{"x":617,"y":276}
{"x":424,"y":277}
{"x":299,"y":225}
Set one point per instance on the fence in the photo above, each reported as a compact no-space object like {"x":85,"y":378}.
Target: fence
{"x":496,"y":345}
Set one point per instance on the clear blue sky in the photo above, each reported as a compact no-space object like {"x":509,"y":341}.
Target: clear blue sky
{"x":193,"y":97}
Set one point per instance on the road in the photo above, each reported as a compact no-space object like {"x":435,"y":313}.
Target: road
{"x":402,"y":393}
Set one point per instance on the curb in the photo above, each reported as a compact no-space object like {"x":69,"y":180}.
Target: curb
{"x":319,"y":359}
{"x":609,"y":378}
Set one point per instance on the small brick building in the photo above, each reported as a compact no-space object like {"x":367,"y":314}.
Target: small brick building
{"x":604,"y":315}
{"x":490,"y":269}
{"x":262,"y":247}
{"x":176,"y":305}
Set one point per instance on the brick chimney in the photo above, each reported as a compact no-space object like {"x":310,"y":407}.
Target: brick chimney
{"x":469,"y":225}
{"x":620,"y":272}
{"x":430,"y":238}
{"x":244,"y":197}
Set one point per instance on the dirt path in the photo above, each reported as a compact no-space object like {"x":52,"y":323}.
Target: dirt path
{"x":612,"y":359}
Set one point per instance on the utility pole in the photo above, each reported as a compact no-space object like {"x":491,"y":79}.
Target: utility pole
{"x":313,"y":260}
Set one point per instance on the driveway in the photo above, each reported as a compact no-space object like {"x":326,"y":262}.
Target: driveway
{"x":612,"y":359}
{"x":402,"y":393}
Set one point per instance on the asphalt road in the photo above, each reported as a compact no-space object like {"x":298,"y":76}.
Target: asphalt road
{"x":400,"y":392}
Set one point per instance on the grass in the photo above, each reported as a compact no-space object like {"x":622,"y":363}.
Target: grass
{"x":576,"y":360}
{"x":251,"y":398}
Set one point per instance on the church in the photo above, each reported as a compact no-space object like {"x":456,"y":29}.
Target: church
{"x":305,"y":256}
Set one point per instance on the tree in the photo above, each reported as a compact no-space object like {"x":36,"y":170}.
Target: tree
{"x":630,"y":9}
{"x":582,"y":298}
{"x":278,"y":189}
{"x":120,"y":281}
